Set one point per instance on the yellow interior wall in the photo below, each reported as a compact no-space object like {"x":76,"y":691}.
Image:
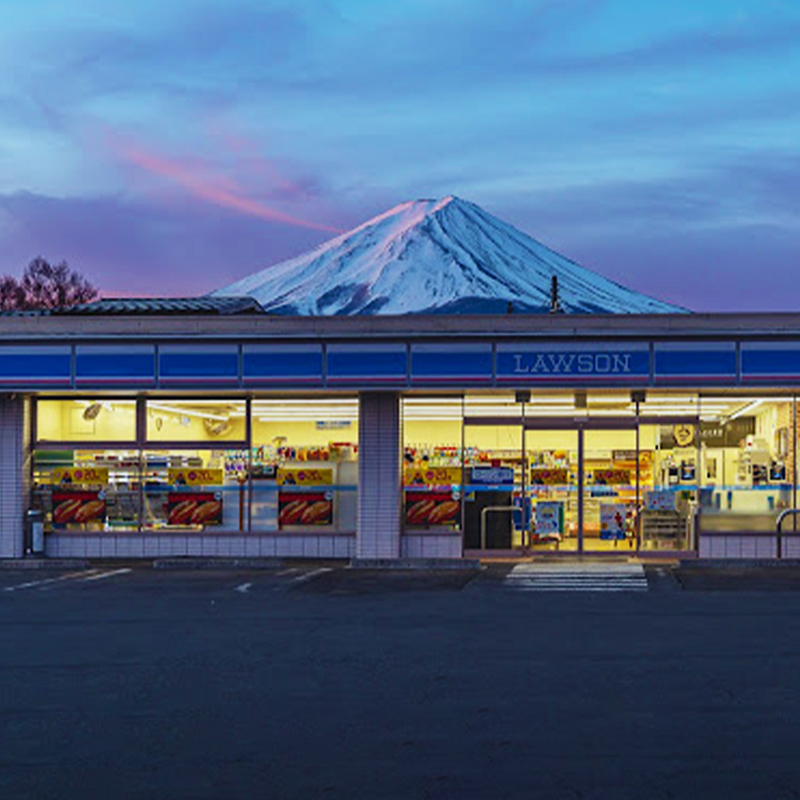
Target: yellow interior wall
{"x":62,"y":420}
{"x":303,"y":433}
{"x":173,"y":430}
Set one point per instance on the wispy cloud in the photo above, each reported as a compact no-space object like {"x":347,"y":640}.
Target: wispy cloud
{"x":199,"y":180}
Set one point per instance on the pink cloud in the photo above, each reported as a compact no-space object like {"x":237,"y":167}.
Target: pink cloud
{"x":198,"y":180}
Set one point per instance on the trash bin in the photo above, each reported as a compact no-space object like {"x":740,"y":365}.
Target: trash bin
{"x":35,"y":532}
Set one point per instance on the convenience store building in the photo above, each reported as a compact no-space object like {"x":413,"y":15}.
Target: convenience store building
{"x":207,"y":427}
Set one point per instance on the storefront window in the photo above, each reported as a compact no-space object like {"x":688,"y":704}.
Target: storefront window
{"x":747,"y":448}
{"x":304,"y":464}
{"x":194,"y":420}
{"x":86,"y":420}
{"x":432,"y":468}
{"x":87,"y":490}
{"x":195,"y":490}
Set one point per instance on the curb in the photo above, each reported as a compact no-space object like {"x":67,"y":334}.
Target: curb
{"x":471,"y":564}
{"x":44,"y":563}
{"x":192,"y":562}
{"x":737,"y":563}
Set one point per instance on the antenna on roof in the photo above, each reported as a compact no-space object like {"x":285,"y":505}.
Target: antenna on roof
{"x":555,"y":304}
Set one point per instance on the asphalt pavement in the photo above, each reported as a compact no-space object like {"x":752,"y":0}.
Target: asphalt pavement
{"x":313,"y":681}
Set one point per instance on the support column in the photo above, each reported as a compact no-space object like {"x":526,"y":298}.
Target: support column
{"x":14,"y":472}
{"x":379,"y":475}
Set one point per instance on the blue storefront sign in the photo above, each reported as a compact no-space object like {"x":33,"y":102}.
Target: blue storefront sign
{"x":590,"y":363}
{"x":492,"y":476}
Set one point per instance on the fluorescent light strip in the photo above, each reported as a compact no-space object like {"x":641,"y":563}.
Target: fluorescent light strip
{"x":183,"y":412}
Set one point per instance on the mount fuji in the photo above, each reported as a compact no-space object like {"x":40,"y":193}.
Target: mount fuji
{"x":444,"y":256}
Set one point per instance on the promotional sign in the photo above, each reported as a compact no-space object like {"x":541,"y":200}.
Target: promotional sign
{"x":86,"y":476}
{"x":660,"y":500}
{"x":78,"y":508}
{"x":549,"y":476}
{"x":615,"y":520}
{"x":305,"y":508}
{"x":194,"y":476}
{"x":432,"y":508}
{"x":612,"y":476}
{"x":432,"y":476}
{"x":549,"y":518}
{"x":194,"y":508}
{"x":304,"y":476}
{"x":492,"y":476}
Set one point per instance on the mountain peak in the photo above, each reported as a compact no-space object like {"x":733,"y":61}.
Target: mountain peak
{"x":434,"y":256}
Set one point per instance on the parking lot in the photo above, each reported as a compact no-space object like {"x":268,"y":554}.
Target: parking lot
{"x":311,"y":680}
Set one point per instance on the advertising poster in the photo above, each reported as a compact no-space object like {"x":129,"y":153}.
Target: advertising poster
{"x":660,"y":500}
{"x":549,"y":476}
{"x":612,"y":477}
{"x":432,"y":508}
{"x":78,"y":508}
{"x":549,"y":518}
{"x":193,"y":476}
{"x":305,"y":508}
{"x":304,"y":476}
{"x":616,"y":519}
{"x":194,"y":508}
{"x":85,"y":476}
{"x":432,"y":476}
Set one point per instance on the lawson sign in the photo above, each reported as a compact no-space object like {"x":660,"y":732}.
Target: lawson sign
{"x":600,"y":363}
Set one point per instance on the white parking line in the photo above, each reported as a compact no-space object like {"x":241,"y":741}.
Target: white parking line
{"x":244,"y":588}
{"x":106,"y":574}
{"x":306,"y":576}
{"x":67,"y":577}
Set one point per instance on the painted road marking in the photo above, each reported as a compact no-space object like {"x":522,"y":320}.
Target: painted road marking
{"x":67,"y":577}
{"x":591,"y":577}
{"x":303,"y":578}
{"x":106,"y":574}
{"x":244,"y":588}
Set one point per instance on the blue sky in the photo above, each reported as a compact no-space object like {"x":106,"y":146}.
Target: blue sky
{"x":171,"y":147}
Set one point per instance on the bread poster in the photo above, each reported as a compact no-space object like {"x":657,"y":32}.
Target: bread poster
{"x":305,"y":508}
{"x":78,"y":508}
{"x":194,"y":508}
{"x":430,"y":509}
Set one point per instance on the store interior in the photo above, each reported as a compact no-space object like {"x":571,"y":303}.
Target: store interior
{"x":597,"y":471}
{"x":593,"y":470}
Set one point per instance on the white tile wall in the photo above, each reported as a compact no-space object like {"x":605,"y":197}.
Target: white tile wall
{"x":14,"y":473}
{"x":431,"y":546}
{"x":755,"y":546}
{"x":379,"y":475}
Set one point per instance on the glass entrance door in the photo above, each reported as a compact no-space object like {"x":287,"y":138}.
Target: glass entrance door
{"x":552,"y":489}
{"x":493,"y":473}
{"x":612,"y":476}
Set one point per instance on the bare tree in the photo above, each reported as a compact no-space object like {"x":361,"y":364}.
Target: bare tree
{"x":45,"y":286}
{"x":11,"y":294}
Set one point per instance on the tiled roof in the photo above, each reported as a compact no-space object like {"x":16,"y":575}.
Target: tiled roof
{"x":165,"y":305}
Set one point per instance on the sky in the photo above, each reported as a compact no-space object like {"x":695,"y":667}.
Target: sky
{"x":169,"y":147}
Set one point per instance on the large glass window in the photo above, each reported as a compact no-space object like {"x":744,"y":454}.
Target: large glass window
{"x":432,"y":464}
{"x":196,"y":420}
{"x":747,"y":461}
{"x":195,"y":490}
{"x":86,"y":420}
{"x":305,"y":464}
{"x":87,"y":490}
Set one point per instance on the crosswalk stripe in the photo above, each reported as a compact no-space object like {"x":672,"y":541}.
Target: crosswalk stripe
{"x":590,"y":577}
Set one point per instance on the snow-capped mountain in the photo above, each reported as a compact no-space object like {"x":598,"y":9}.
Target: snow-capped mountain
{"x":435,"y":257}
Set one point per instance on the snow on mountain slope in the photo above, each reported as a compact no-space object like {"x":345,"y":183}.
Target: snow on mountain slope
{"x":435,"y":256}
